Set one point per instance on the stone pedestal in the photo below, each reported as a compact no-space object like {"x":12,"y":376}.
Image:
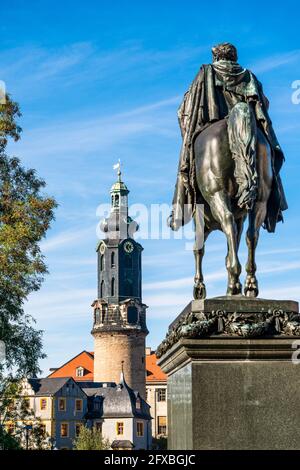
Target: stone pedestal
{"x":232,"y":383}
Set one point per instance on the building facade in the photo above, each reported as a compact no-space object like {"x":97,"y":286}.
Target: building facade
{"x":156,"y":395}
{"x":61,"y":405}
{"x":64,"y":405}
{"x":81,"y":368}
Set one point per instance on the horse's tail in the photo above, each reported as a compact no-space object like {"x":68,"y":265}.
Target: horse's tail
{"x":242,"y":134}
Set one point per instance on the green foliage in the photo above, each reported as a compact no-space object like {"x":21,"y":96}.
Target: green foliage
{"x":90,"y":439}
{"x":15,"y":410}
{"x":25,"y":216}
{"x":8,"y":126}
{"x":160,"y":443}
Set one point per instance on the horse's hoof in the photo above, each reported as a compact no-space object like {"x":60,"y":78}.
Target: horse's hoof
{"x":199,"y":291}
{"x":251,"y":287}
{"x":174,"y":224}
{"x":234,"y":289}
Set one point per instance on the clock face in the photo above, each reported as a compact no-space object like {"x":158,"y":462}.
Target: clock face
{"x":128,"y":247}
{"x":102,"y":248}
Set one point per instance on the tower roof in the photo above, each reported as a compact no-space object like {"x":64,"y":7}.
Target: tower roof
{"x":119,"y":186}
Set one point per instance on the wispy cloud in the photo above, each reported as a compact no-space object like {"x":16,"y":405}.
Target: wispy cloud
{"x":85,"y":62}
{"x":276,"y":61}
{"x":52,"y":304}
{"x":90,"y":135}
{"x":68,"y":137}
{"x":68,"y":237}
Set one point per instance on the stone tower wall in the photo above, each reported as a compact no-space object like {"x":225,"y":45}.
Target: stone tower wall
{"x":111,"y":348}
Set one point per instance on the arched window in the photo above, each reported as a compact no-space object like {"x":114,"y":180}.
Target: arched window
{"x":97,"y":315}
{"x":101,"y":262}
{"x":102,"y":289}
{"x":113,"y":259}
{"x":103,"y":314}
{"x":117,"y":200}
{"x":112,"y":287}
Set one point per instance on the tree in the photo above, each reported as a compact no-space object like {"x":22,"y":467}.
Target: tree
{"x":25,"y":216}
{"x":90,"y":439}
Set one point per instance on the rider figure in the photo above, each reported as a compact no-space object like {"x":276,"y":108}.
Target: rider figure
{"x":216,"y":89}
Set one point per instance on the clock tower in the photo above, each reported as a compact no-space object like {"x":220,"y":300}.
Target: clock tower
{"x":119,"y":324}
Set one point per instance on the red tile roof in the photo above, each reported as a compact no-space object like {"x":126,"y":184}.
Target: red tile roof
{"x":154,"y":372}
{"x":85,"y":359}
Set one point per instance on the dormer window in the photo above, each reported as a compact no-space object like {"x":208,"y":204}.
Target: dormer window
{"x":80,"y":371}
{"x":138,"y":403}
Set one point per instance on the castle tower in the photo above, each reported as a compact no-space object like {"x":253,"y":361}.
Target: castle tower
{"x":119,"y":327}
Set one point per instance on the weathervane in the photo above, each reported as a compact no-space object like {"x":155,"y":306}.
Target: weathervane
{"x":117,"y":166}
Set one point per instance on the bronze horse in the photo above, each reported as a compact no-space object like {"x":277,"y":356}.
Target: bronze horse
{"x":234,"y":176}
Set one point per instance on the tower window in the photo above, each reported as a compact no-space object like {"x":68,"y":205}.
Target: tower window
{"x":112,"y":287}
{"x":117,"y":200}
{"x":132,"y":315}
{"x":113,"y":260}
{"x":101,"y":262}
{"x":97,"y":315}
{"x":102,"y":289}
{"x":103,"y":314}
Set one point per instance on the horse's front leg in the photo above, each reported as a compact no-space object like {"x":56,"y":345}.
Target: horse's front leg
{"x":220,"y":207}
{"x":199,"y":286}
{"x":199,"y":247}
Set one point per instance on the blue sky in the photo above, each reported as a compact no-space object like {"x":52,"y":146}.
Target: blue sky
{"x":98,"y":81}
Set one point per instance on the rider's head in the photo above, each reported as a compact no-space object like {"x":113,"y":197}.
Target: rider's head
{"x":224,"y":51}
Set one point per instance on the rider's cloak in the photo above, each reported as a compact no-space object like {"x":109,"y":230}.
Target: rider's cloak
{"x":214,"y":91}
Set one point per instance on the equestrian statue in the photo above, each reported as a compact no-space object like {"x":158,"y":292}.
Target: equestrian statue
{"x":229,"y":164}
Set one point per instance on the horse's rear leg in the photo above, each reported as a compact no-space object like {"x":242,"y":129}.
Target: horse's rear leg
{"x":220,"y":207}
{"x":256,"y":218}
